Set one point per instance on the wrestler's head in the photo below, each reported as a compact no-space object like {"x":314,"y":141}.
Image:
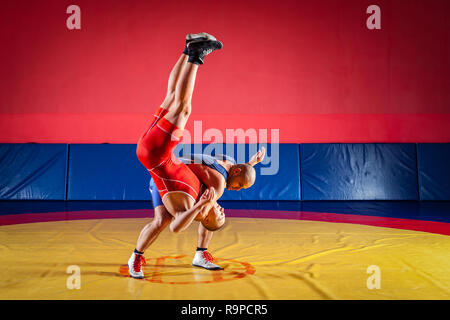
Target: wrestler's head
{"x":215,"y":219}
{"x":241,"y":176}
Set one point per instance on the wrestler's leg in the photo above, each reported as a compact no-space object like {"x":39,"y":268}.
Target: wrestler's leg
{"x":202,"y":257}
{"x":177,"y":116}
{"x":180,"y":110}
{"x":144,"y":142}
{"x":147,"y":236}
{"x":151,"y":231}
{"x":172,"y":83}
{"x":204,"y":237}
{"x":170,"y":94}
{"x":171,"y":108}
{"x":176,"y":106}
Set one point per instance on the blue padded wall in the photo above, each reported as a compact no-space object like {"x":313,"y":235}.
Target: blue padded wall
{"x":106,"y":172}
{"x":328,"y":171}
{"x":434,"y":170}
{"x":358,"y":172}
{"x":33,"y":171}
{"x":277,"y":177}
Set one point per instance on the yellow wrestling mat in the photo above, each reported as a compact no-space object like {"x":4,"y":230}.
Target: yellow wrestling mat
{"x":263,"y":259}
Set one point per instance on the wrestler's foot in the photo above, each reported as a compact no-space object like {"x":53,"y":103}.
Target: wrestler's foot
{"x":197,"y":36}
{"x":199,"y":49}
{"x":135,"y":264}
{"x":204,"y":259}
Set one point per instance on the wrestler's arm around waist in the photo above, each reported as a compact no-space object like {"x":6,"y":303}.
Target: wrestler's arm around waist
{"x":211,"y":179}
{"x":183,"y":218}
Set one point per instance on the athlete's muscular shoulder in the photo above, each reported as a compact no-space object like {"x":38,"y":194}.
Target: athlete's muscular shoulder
{"x":209,"y":177}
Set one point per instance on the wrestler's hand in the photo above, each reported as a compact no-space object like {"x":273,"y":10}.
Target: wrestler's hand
{"x":208,"y":195}
{"x":258,"y":157}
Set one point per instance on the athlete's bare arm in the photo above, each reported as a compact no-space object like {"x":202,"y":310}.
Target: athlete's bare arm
{"x":257,"y":157}
{"x":185,"y":211}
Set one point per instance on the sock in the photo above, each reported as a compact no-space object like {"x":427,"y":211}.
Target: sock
{"x":194,"y":59}
{"x":202,"y":249}
{"x":137,"y":252}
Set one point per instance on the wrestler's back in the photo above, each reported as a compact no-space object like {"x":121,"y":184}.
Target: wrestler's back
{"x":209,"y":177}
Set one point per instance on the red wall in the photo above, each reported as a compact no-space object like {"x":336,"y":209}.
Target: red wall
{"x":308,"y":68}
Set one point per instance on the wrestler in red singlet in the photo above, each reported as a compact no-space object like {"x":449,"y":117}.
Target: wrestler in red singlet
{"x":155,"y":151}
